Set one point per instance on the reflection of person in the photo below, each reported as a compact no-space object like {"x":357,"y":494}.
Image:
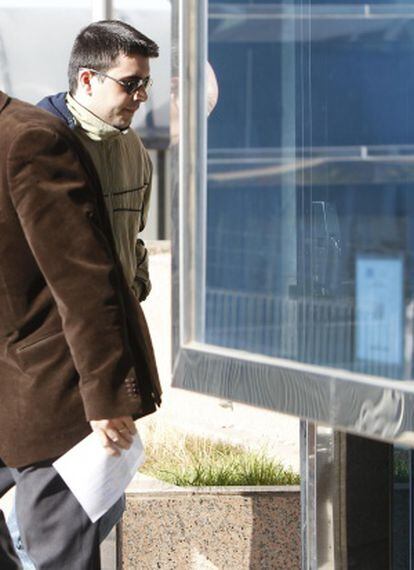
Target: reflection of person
{"x":109,"y":78}
{"x":212,"y":98}
{"x":72,"y":334}
{"x":212,"y":88}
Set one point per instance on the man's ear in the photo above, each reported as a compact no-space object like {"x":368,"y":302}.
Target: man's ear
{"x":84,"y":81}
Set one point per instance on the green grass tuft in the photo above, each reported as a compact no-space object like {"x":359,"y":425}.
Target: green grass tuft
{"x":187,"y":460}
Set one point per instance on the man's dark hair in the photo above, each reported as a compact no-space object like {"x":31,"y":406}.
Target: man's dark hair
{"x":99,"y":45}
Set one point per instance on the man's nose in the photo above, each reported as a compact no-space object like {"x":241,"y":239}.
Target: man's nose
{"x":141,"y":95}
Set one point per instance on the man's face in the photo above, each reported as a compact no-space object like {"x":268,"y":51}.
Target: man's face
{"x":108,"y":100}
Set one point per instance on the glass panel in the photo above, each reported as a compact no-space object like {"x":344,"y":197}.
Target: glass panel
{"x":310,"y":209}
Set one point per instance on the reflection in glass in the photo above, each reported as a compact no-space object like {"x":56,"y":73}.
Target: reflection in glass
{"x":310,"y":209}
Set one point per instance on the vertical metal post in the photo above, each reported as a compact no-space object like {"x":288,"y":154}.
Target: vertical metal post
{"x":193,"y":168}
{"x":102,"y":10}
{"x":308,"y":503}
{"x":323,"y":515}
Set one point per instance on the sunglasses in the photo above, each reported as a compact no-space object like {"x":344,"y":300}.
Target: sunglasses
{"x":131,"y":86}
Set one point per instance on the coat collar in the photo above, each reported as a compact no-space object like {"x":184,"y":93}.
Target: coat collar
{"x":3,"y":100}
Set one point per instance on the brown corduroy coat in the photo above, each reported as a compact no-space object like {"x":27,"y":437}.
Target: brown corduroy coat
{"x":74,"y":344}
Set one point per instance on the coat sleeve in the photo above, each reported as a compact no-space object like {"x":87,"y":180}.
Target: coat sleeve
{"x":56,"y":206}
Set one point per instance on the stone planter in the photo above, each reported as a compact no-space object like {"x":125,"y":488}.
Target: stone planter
{"x":209,"y":528}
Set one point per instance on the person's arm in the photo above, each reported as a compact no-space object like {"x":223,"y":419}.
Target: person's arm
{"x":55,"y":204}
{"x":142,"y":283}
{"x":115,"y":434}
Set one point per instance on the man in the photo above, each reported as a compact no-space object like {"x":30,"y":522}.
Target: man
{"x":109,"y":78}
{"x":75,"y":350}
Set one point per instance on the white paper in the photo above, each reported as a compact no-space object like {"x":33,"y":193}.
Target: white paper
{"x":95,"y":478}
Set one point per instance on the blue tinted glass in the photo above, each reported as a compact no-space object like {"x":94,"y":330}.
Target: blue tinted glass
{"x":310,"y":221}
{"x":352,"y":75}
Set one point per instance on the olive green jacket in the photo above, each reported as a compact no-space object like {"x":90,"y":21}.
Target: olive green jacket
{"x":125,"y":173}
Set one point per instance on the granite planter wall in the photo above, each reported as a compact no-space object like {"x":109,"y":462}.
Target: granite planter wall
{"x":211,"y":528}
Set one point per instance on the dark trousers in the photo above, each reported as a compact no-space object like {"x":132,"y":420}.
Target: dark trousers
{"x":55,"y":530}
{"x":8,"y":558}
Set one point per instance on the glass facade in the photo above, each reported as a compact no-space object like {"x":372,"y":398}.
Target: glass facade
{"x":293,"y":249}
{"x":310,"y":209}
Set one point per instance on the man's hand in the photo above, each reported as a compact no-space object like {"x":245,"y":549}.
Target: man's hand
{"x":115,"y":434}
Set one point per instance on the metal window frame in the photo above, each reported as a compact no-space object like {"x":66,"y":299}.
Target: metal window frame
{"x":365,"y":405}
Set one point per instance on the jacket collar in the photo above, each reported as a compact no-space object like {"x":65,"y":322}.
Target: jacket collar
{"x":56,"y":104}
{"x":4,"y":99}
{"x":94,"y":127}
